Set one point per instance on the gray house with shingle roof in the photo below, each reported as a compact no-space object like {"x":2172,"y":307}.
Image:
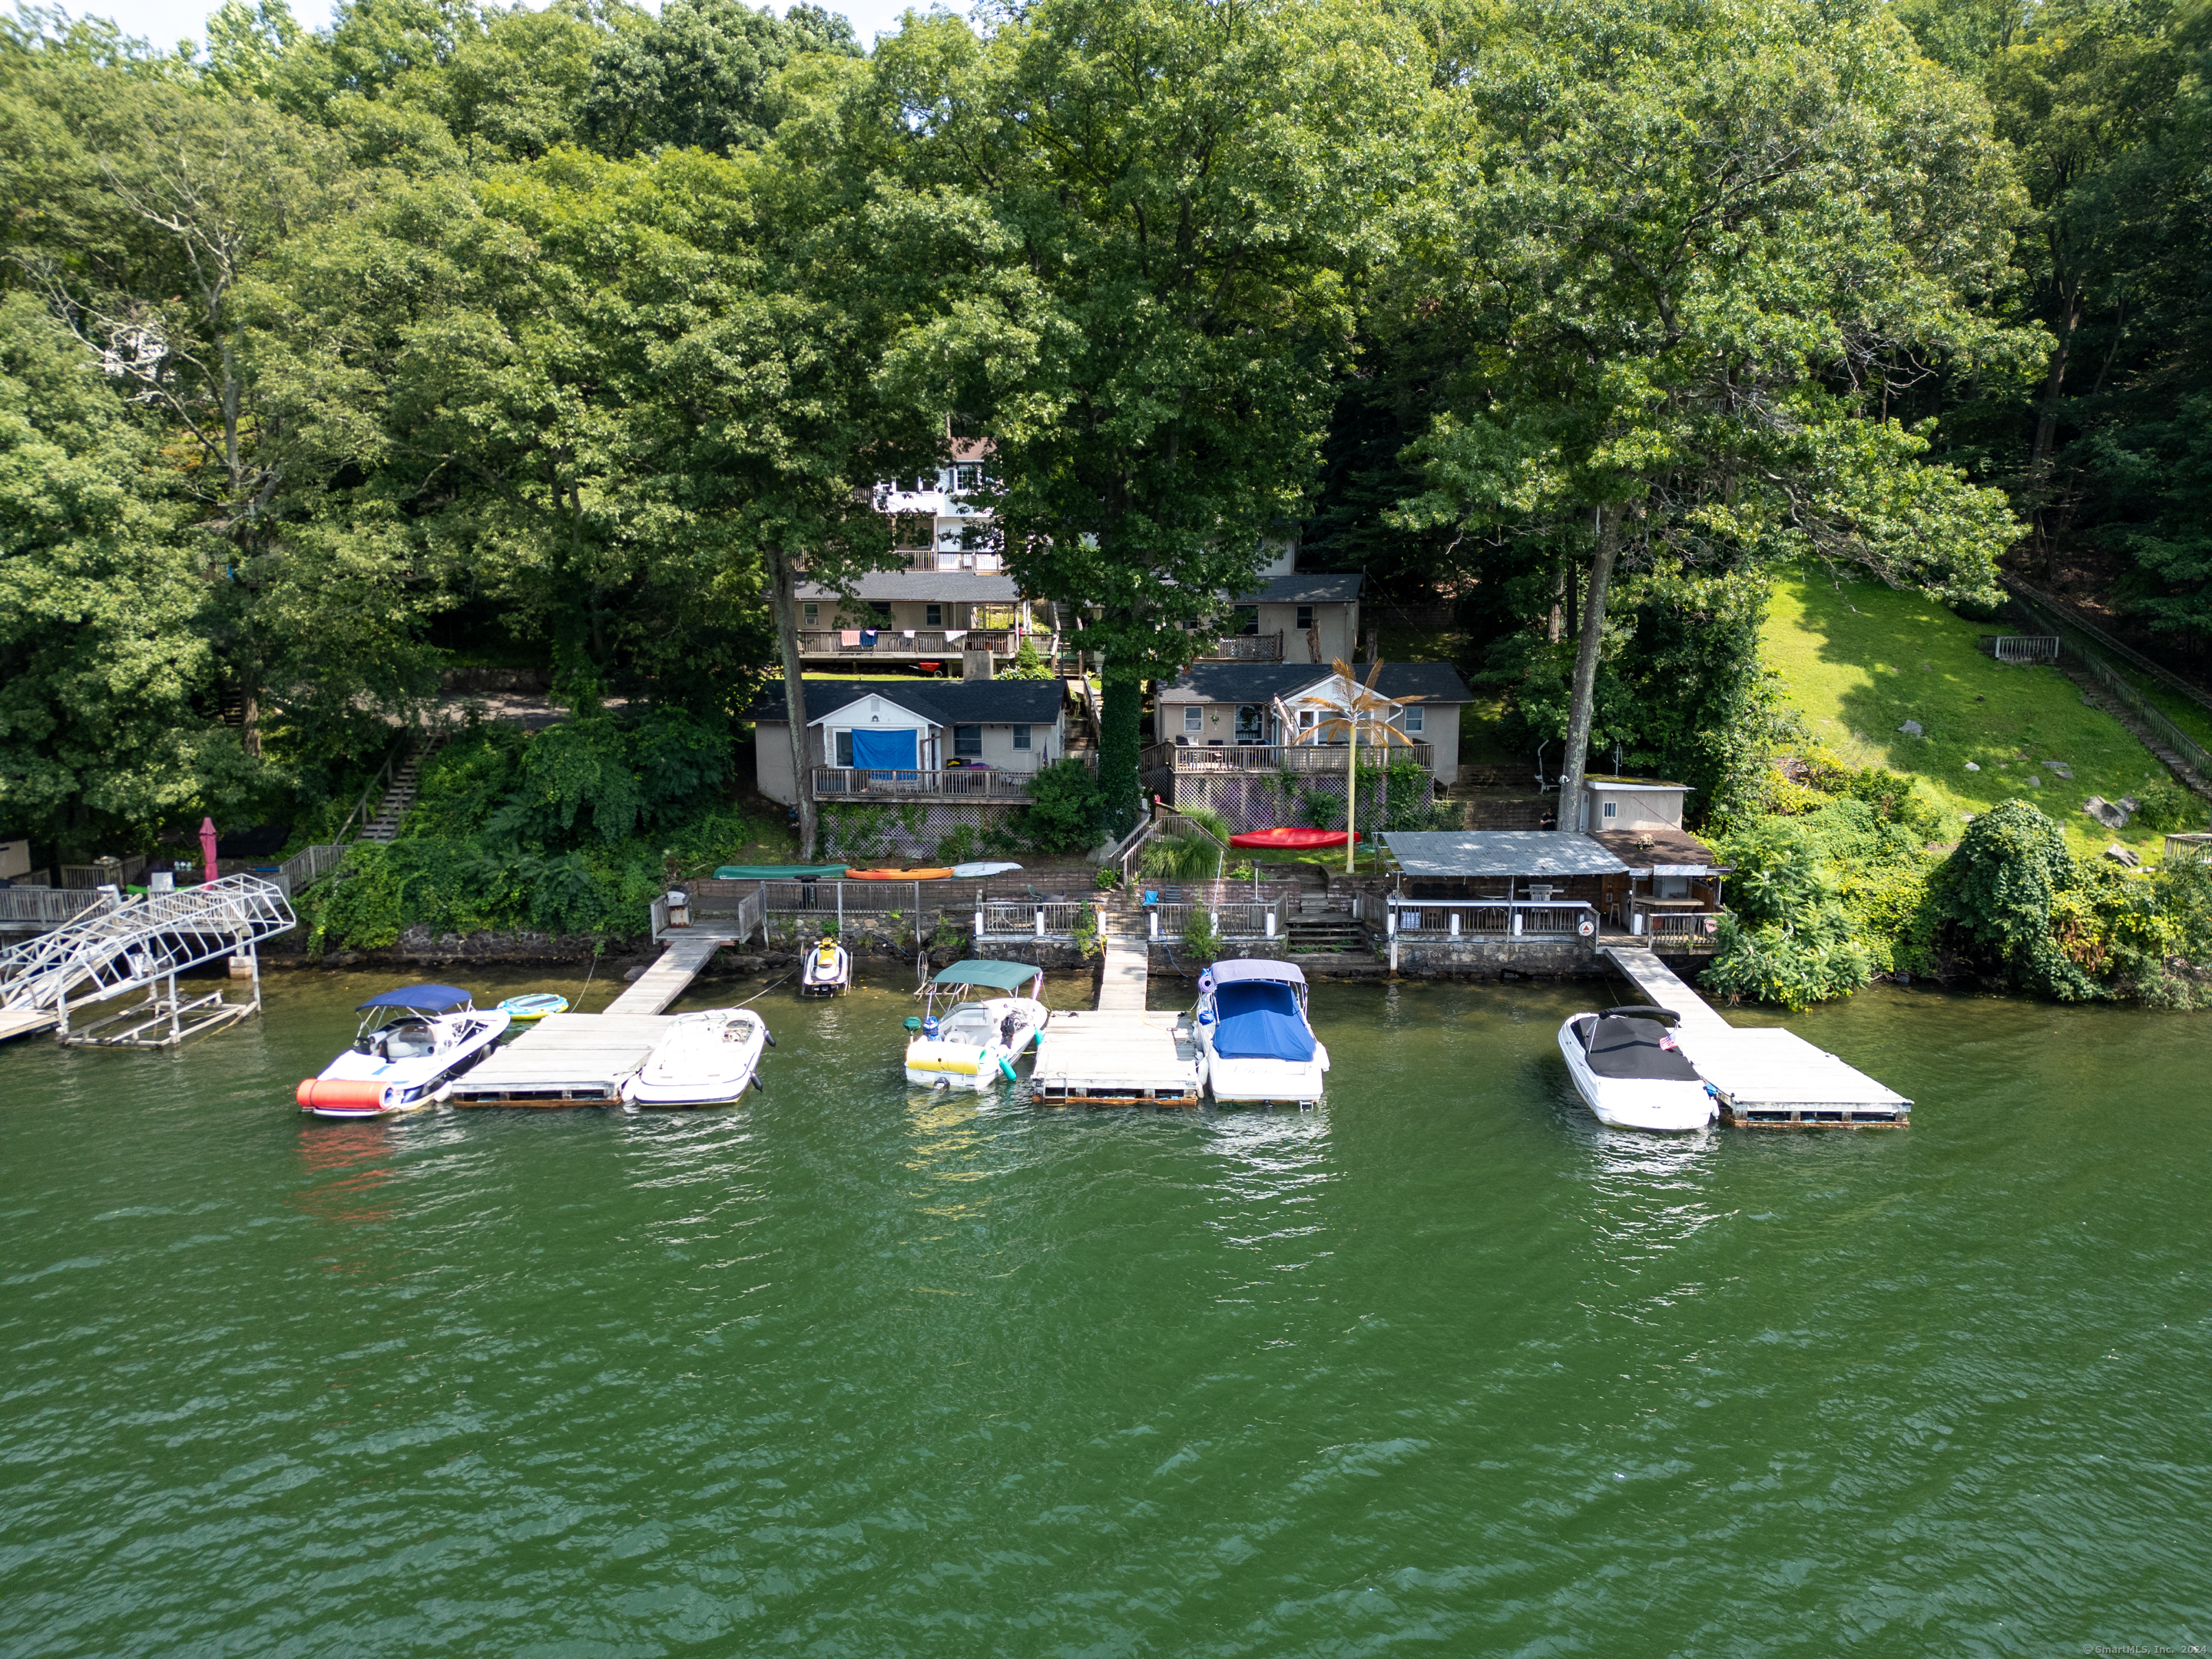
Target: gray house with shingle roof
{"x":1235,"y":714}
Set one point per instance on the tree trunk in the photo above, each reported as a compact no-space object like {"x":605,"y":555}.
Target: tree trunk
{"x":1587,"y":641}
{"x":1121,"y":714}
{"x":1555,"y":625}
{"x":783,"y":585}
{"x":2046,"y":424}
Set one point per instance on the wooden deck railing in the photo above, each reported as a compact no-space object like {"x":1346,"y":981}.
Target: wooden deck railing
{"x":42,"y":907}
{"x":975,"y":783}
{"x":1682,"y":930}
{"x":1243,"y":647}
{"x":1278,"y":757}
{"x":1434,"y":921}
{"x":891,"y":642}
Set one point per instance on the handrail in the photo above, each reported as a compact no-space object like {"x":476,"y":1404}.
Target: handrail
{"x":2068,"y":616}
{"x":391,"y":760}
{"x":2199,"y":758}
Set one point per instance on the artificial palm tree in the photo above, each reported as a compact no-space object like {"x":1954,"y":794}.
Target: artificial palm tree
{"x":1352,"y":709}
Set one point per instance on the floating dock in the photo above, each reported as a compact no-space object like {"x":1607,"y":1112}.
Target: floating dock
{"x":1116,"y":1057}
{"x":565,"y":1059}
{"x":1766,"y":1078}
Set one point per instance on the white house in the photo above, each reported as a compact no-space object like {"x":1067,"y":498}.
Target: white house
{"x":1239,"y":708}
{"x":960,"y":741}
{"x":1615,"y":802}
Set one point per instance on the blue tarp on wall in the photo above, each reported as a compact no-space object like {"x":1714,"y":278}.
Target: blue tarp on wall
{"x":887,"y":750}
{"x":1260,"y":1020}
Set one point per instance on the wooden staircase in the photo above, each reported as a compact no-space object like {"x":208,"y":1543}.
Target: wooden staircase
{"x":405,"y":783}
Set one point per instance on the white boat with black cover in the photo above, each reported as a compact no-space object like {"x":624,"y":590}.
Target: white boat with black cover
{"x":707,"y":1059}
{"x":828,"y":971}
{"x":973,"y":1041}
{"x":1259,"y":1044}
{"x":412,"y":1043}
{"x":1629,"y":1069}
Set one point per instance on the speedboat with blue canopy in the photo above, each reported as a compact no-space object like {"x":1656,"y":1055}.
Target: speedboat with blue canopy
{"x":961,"y":1041}
{"x":412,"y":1043}
{"x":1259,"y":1044}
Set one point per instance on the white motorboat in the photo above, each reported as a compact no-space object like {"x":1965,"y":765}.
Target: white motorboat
{"x":827,"y":972}
{"x":413,"y":1043}
{"x":1259,"y":1044}
{"x":972,"y":1043}
{"x":706,"y":1058}
{"x":1629,"y":1069}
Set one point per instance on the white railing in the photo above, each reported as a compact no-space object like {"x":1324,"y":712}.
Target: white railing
{"x":954,"y":783}
{"x":1237,"y":921}
{"x":1025,"y":919}
{"x":43,"y":907}
{"x":2024,"y":648}
{"x":1428,"y":921}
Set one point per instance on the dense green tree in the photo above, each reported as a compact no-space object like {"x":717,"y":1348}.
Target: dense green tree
{"x":104,"y":665}
{"x":1192,"y":189}
{"x":1701,"y":244}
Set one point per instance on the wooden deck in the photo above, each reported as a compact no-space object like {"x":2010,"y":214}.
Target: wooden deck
{"x":1116,"y":1057}
{"x":1767,"y":1078}
{"x":565,"y":1059}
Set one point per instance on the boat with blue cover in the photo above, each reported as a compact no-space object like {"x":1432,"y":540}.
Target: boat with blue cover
{"x":412,"y":1043}
{"x":1258,"y":1043}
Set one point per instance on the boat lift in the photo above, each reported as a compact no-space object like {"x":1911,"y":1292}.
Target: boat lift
{"x":144,"y":943}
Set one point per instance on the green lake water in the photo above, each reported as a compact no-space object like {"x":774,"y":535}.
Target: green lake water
{"x":1440,"y":1367}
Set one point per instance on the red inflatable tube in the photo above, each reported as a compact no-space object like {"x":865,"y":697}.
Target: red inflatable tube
{"x":341,"y":1094}
{"x":1291,"y":840}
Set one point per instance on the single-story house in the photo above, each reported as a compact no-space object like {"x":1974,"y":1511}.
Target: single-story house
{"x":965,"y":740}
{"x":1243,"y":706}
{"x":1316,"y":617}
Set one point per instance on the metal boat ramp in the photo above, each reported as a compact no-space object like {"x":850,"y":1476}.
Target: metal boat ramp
{"x":1766,"y":1078}
{"x":565,"y":1059}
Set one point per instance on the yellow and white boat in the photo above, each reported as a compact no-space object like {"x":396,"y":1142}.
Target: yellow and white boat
{"x":973,"y":1043}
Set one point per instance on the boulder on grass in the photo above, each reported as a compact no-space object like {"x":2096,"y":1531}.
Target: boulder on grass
{"x":2112,"y":815}
{"x":2120,"y":855}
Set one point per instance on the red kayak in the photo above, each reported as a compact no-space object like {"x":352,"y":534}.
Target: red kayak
{"x":1289,"y":840}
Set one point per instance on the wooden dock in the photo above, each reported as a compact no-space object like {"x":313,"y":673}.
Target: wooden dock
{"x":565,"y":1059}
{"x":1116,"y":1057}
{"x":1122,"y":979}
{"x":669,"y":976}
{"x":1767,"y":1078}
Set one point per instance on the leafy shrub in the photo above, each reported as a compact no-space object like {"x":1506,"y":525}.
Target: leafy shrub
{"x":2169,"y":809}
{"x":2000,"y":895}
{"x":1063,"y":813}
{"x":1789,"y":938}
{"x":1027,"y":664}
{"x":1199,"y":938}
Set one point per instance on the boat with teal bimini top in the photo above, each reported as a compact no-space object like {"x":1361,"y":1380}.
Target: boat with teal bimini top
{"x":972,"y":1044}
{"x":536,"y":1004}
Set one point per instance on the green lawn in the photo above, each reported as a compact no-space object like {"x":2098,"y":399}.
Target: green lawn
{"x":1859,"y":660}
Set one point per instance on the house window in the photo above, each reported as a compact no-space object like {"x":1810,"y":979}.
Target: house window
{"x":968,"y":741}
{"x":1305,"y":617}
{"x":1021,"y":737}
{"x":1306,"y":717}
{"x":1251,"y":723}
{"x":1193,"y":720}
{"x":844,"y":742}
{"x":1608,"y":809}
{"x":1415,"y":721}
{"x":813,"y":615}
{"x":933,"y":616}
{"x":1245,"y":619}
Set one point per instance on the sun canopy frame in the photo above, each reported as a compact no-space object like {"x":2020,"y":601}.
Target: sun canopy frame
{"x":421,"y":999}
{"x":1255,"y":968}
{"x":999,"y":976}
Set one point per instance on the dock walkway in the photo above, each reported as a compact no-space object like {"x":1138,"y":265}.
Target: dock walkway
{"x":565,"y":1059}
{"x":1122,"y":980}
{"x":666,"y":980}
{"x":1767,"y":1078}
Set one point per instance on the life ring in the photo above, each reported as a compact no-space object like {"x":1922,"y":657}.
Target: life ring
{"x":1585,"y":927}
{"x":1712,"y":923}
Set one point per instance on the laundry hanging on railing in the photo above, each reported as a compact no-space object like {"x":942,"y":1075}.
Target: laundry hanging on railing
{"x":849,"y":637}
{"x":906,"y":633}
{"x":867,"y":638}
{"x":954,"y":635}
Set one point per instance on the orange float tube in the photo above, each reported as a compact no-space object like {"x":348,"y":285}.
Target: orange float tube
{"x":341,"y":1094}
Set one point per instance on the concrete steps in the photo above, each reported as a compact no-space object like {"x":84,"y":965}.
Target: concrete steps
{"x":406,"y":782}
